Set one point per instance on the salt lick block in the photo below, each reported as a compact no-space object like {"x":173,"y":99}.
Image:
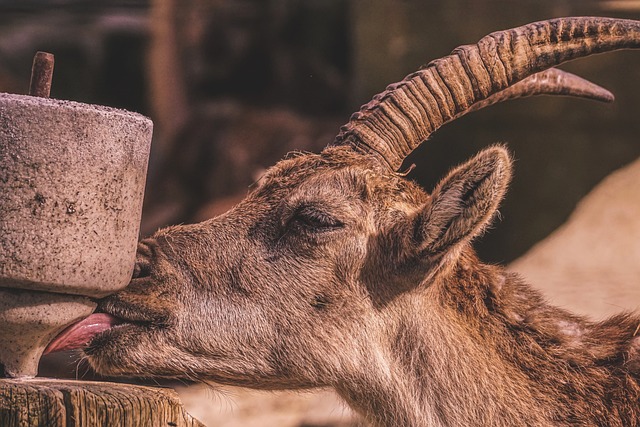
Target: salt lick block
{"x":72,"y":181}
{"x":29,"y":320}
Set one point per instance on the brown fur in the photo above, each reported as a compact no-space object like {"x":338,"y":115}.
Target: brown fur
{"x":336,"y":272}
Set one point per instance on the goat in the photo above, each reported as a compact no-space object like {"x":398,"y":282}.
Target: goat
{"x":335,"y":271}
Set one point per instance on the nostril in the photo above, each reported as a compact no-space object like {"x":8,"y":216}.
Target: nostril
{"x":144,"y":248}
{"x":144,"y":254}
{"x":142,"y":269}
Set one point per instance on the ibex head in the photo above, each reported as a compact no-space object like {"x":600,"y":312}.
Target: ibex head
{"x":298,"y":268}
{"x":312,"y":279}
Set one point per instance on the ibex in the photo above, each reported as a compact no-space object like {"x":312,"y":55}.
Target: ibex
{"x":336,"y":271}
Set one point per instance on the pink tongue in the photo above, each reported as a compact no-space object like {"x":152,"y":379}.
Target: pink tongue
{"x":80,"y":333}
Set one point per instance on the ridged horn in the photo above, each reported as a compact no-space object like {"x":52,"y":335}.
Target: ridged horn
{"x":399,"y":119}
{"x":548,"y":82}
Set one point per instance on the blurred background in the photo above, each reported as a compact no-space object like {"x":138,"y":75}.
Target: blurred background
{"x":233,"y":85}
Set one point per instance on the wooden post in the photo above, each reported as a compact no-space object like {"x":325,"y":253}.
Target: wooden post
{"x":43,"y":402}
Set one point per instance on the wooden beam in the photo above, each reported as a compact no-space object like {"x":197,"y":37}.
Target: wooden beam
{"x":64,"y":403}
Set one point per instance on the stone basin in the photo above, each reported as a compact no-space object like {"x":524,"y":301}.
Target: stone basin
{"x":72,"y":180}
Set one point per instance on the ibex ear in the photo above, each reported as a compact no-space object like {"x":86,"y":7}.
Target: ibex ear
{"x":464,"y":202}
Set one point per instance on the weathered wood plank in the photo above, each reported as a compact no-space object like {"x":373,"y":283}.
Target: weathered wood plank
{"x":64,"y":403}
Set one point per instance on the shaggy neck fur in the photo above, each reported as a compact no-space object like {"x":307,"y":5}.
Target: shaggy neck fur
{"x":503,"y":357}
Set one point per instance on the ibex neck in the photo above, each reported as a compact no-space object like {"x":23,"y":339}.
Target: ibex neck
{"x":481,"y":348}
{"x":443,"y":377}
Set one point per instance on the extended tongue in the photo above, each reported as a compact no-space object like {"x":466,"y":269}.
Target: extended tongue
{"x":80,"y":333}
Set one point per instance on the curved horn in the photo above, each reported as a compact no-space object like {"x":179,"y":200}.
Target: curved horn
{"x":397,"y":120}
{"x":549,"y":82}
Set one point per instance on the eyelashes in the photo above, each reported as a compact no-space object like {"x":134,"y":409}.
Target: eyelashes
{"x":310,"y":218}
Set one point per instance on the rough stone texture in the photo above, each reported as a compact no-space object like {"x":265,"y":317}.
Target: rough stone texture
{"x":55,"y":403}
{"x":30,"y":320}
{"x":590,"y":264}
{"x":72,"y":179}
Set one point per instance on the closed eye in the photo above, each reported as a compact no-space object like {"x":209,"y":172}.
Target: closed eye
{"x":312,"y":219}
